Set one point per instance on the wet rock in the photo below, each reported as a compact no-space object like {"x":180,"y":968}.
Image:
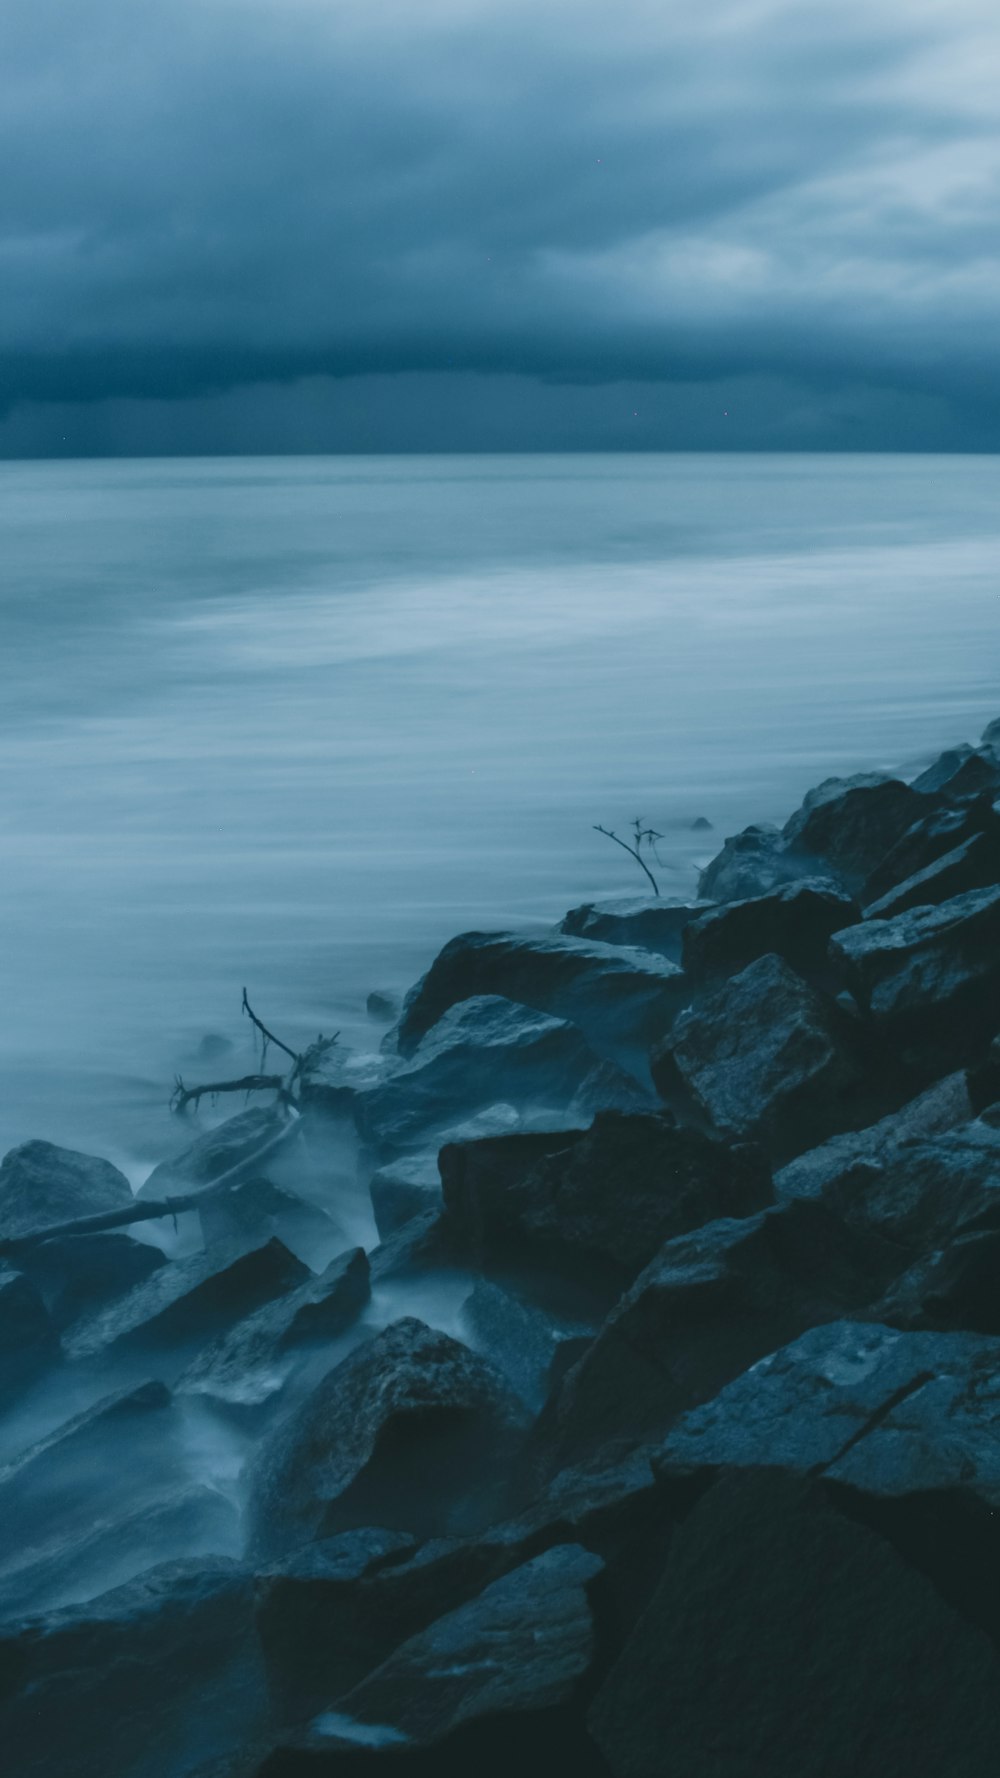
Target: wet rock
{"x":75,"y":1273}
{"x":753,"y":863}
{"x":929,"y":978}
{"x":852,"y":822}
{"x":335,"y":1080}
{"x":795,"y":921}
{"x":479,"y":1050}
{"x":764,"y":1056}
{"x":186,"y":1521}
{"x":606,"y":1198}
{"x":188,"y":1299}
{"x":783,"y":1624}
{"x":930,"y":838}
{"x":941,"y":1107}
{"x":709,"y":1306}
{"x":412,"y":1431}
{"x":498,"y":1679}
{"x":405,"y":1188}
{"x":922,"y":1192}
{"x":529,"y":1346}
{"x":28,"y":1339}
{"x":961,"y":771}
{"x":253,"y":1210}
{"x":41,"y":1185}
{"x":236,"y":1143}
{"x":250,"y":1363}
{"x":148,"y":1681}
{"x":975,"y":864}
{"x":653,"y":923}
{"x":622,"y":999}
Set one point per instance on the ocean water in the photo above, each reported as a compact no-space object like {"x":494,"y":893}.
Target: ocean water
{"x":292,"y":723}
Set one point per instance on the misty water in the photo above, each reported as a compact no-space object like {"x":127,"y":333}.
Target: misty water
{"x":292,"y":723}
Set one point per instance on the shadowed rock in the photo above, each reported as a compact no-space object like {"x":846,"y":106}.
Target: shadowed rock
{"x":528,"y":1345}
{"x":79,"y":1271}
{"x":28,"y":1339}
{"x":404,"y":1188}
{"x":930,"y":838}
{"x":961,"y":771}
{"x":41,"y":1185}
{"x":852,"y":822}
{"x":795,"y":921}
{"x":754,"y":862}
{"x":975,"y":864}
{"x":233,"y":1144}
{"x":940,"y":1108}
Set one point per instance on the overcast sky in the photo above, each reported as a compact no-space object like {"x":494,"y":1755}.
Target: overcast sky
{"x":498,"y":224}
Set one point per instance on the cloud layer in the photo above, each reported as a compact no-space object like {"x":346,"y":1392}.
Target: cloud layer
{"x":254,"y":208}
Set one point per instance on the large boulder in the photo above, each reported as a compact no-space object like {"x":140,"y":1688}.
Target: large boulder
{"x":786,"y":1637}
{"x":404,"y":1188}
{"x":754,"y":862}
{"x":921,"y":1192}
{"x":766,"y":1056}
{"x":605,"y":1199}
{"x":411,"y":1430}
{"x":961,"y":771}
{"x":795,"y":921}
{"x":152,"y":1680}
{"x":711,"y":1304}
{"x":852,"y":822}
{"x":42,"y":1185}
{"x":933,"y":835}
{"x":28,"y":1338}
{"x":622,"y":999}
{"x":939,"y":1108}
{"x":974,"y":864}
{"x":236,"y":1144}
{"x":500,"y":1680}
{"x":929,"y":978}
{"x":76,"y":1272}
{"x":529,"y":1345}
{"x":253,"y":1209}
{"x":652,"y":923}
{"x":249,"y":1364}
{"x":189,"y":1300}
{"x":480,"y":1050}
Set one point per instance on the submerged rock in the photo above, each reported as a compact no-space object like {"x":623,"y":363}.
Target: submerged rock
{"x":411,"y":1431}
{"x":253,"y":1210}
{"x":42,"y":1185}
{"x":795,"y":921}
{"x":764,"y":1056}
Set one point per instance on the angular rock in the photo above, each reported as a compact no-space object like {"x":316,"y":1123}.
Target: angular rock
{"x":152,"y":1680}
{"x":920,"y":1193}
{"x":405,"y":1188}
{"x":253,"y":1210}
{"x":710,"y":1305}
{"x":382,"y":1007}
{"x":188,"y":1299}
{"x":236,"y":1143}
{"x":940,"y":1108}
{"x":782,"y":1624}
{"x":622,"y":999}
{"x":606,"y":1198}
{"x":250,"y":1363}
{"x":853,"y":822}
{"x":753,"y":863}
{"x":652,"y":923}
{"x":411,"y":1431}
{"x":529,"y":1346}
{"x":41,"y":1185}
{"x":479,"y":1050}
{"x":419,"y":1245}
{"x":336,"y":1078}
{"x":28,"y":1339}
{"x":929,"y":978}
{"x":975,"y":864}
{"x":930,"y":838}
{"x":956,"y":1287}
{"x":499,"y":1679}
{"x":75,"y":1273}
{"x":765,"y":1056}
{"x":795,"y":921}
{"x":961,"y":771}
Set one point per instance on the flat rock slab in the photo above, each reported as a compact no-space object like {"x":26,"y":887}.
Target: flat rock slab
{"x":42,"y":1185}
{"x":651,"y":923}
{"x":189,"y":1299}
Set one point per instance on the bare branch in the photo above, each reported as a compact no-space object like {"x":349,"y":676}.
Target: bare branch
{"x":184,"y":1096}
{"x":267,"y":1035}
{"x":633,"y":851}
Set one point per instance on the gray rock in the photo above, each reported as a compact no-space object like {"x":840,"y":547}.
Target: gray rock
{"x":335,"y":1080}
{"x":928,"y":978}
{"x":941,"y":1107}
{"x":412,"y":1431}
{"x":975,"y":864}
{"x":250,"y":1363}
{"x":480,"y":1050}
{"x":621,"y":998}
{"x":652,"y":923}
{"x":961,"y":771}
{"x":41,"y":1185}
{"x":605,"y":1199}
{"x":528,"y":1345}
{"x":406,"y":1187}
{"x":28,"y":1338}
{"x":501,"y":1676}
{"x":753,"y":863}
{"x":853,"y":822}
{"x":253,"y":1210}
{"x":236,"y":1143}
{"x":787,"y":1637}
{"x":921,"y":1192}
{"x":383,"y":1008}
{"x":75,"y":1273}
{"x":795,"y":921}
{"x":764,"y":1056}
{"x":929,"y":839}
{"x":991,"y":734}
{"x":188,"y":1299}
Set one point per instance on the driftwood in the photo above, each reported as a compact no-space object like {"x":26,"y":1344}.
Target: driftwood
{"x":282,"y":1084}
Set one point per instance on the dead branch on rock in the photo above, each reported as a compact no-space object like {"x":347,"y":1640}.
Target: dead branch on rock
{"x":266,"y":1035}
{"x":282,"y":1084}
{"x":643,"y":836}
{"x":184,"y":1096}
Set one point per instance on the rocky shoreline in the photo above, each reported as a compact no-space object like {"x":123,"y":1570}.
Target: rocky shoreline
{"x":692,"y":1461}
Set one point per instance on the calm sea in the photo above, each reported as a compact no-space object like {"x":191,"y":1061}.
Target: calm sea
{"x":291,"y":723}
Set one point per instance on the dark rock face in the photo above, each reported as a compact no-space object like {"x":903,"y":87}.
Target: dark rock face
{"x":962,"y":771}
{"x":975,"y":864}
{"x":709,"y":1306}
{"x":189,"y":1299}
{"x":250,"y":1363}
{"x":607,"y":1198}
{"x":852,"y":822}
{"x":930,"y":838}
{"x":622,"y":999}
{"x":783,"y":1624}
{"x":795,"y":922}
{"x":253,"y":1210}
{"x":922,"y":1192}
{"x":480,"y":1050}
{"x":929,"y":978}
{"x":942,"y":1107}
{"x":234,"y":1144}
{"x":75,"y":1273}
{"x":41,"y":1185}
{"x":653,"y":923}
{"x":526,"y":1344}
{"x":764,"y":1056}
{"x":412,"y":1431}
{"x":499,"y":1677}
{"x":753,"y":863}
{"x":150,"y":1681}
{"x":28,"y":1339}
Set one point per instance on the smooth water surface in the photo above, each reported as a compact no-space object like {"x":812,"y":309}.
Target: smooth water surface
{"x":294,"y":722}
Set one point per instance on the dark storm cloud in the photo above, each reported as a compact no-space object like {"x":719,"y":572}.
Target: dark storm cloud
{"x":202,"y":196}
